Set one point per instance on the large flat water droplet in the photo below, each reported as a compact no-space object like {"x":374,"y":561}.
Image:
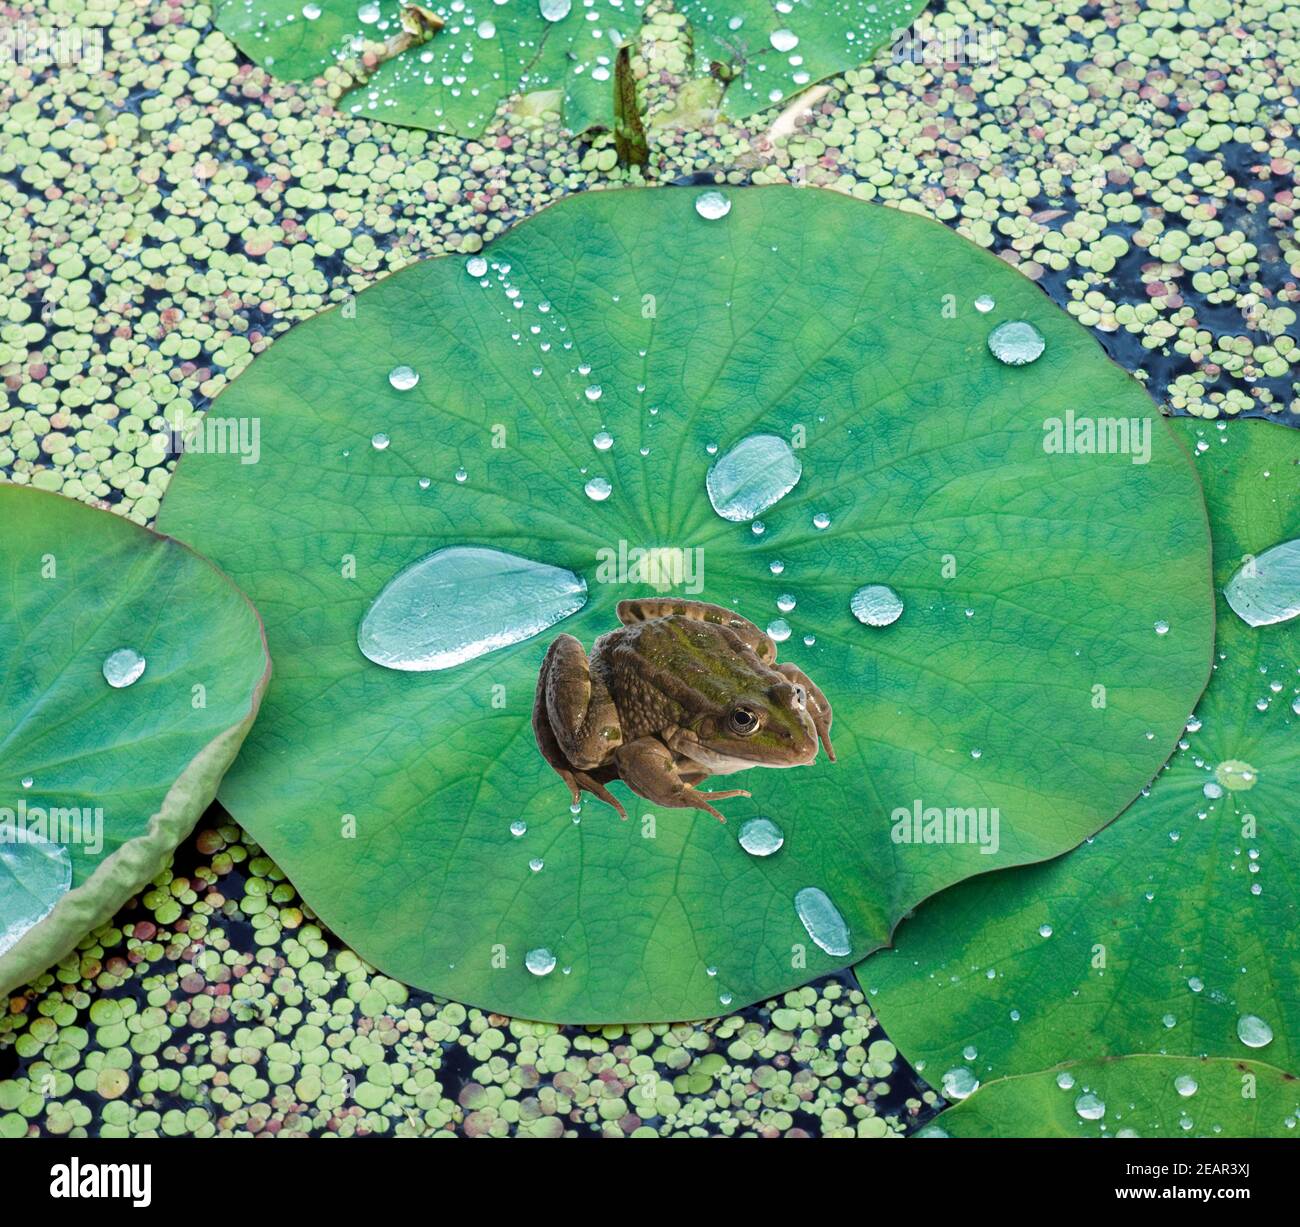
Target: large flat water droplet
{"x":1266,"y":590}
{"x":876,"y":605}
{"x":1017,"y":343}
{"x":461,"y":602}
{"x":758,"y":472}
{"x":34,"y":875}
{"x":823,"y":921}
{"x":541,"y":962}
{"x":712,"y":206}
{"x":555,"y":10}
{"x":123,"y":667}
{"x":959,"y":1083}
{"x":1253,"y":1031}
{"x":761,"y":837}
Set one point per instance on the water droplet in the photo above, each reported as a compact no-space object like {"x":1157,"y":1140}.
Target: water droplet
{"x":970,"y":1052}
{"x":725,"y":998}
{"x":27,"y":781}
{"x":1213,"y":789}
{"x":785,"y":602}
{"x":1235,"y":775}
{"x":758,"y":528}
{"x":876,"y":605}
{"x":959,"y":1083}
{"x":1017,"y":342}
{"x":594,"y":392}
{"x":518,"y":827}
{"x":821,"y":520}
{"x":823,"y":921}
{"x":1195,"y":983}
{"x":486,"y":29}
{"x":1044,"y":930}
{"x":712,"y":205}
{"x":1090,"y":1106}
{"x":34,"y":875}
{"x":460,"y":602}
{"x":1253,"y":1031}
{"x":602,"y":441}
{"x":541,"y":962}
{"x":476,"y":266}
{"x":1266,"y":590}
{"x":368,"y":13}
{"x":311,"y":11}
{"x":984,"y":304}
{"x":403,"y":378}
{"x":778,"y":630}
{"x":1065,"y":1080}
{"x":379,"y":441}
{"x":461,"y":476}
{"x":598,"y":489}
{"x":761,"y":837}
{"x":555,"y":10}
{"x":424,"y":483}
{"x":776,"y":566}
{"x":123,"y":667}
{"x":1185,"y":1085}
{"x":784,"y":40}
{"x":537,"y":864}
{"x":1162,"y":628}
{"x":752,"y":476}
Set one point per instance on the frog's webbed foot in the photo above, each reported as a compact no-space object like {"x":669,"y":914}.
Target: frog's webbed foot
{"x":580,"y":781}
{"x":815,"y":703}
{"x":649,"y":770}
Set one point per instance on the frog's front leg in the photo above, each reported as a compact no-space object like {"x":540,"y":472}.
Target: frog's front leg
{"x":815,"y":703}
{"x":648,"y":768}
{"x":581,"y":712}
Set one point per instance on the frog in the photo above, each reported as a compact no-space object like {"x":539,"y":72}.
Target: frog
{"x":681,"y":691}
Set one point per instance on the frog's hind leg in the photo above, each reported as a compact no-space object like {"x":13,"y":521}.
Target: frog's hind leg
{"x":581,"y":713}
{"x":590,"y":779}
{"x":648,"y":768}
{"x":649,"y":608}
{"x":816,"y":704}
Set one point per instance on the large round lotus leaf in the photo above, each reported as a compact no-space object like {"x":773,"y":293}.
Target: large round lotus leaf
{"x":109,"y":778}
{"x":1030,"y":577}
{"x":1139,"y":1096}
{"x":447,"y":67}
{"x":1182,"y":918}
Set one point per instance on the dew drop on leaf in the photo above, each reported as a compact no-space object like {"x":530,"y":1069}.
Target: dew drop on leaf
{"x":598,"y":489}
{"x":1016,"y":342}
{"x":761,"y":837}
{"x":34,"y":875}
{"x":1266,"y":590}
{"x":822,"y":919}
{"x":876,"y":605}
{"x":123,"y":667}
{"x":1253,"y":1031}
{"x":403,"y":378}
{"x":712,"y":205}
{"x":541,"y":962}
{"x":461,"y":602}
{"x":752,"y":476}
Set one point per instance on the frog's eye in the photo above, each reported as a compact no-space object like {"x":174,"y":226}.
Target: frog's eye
{"x":743,"y":721}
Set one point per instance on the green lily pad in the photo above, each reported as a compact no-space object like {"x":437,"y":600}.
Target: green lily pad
{"x":451,"y":77}
{"x":1179,"y":923}
{"x":1138,"y":1096}
{"x":620,"y":343}
{"x":109,"y":777}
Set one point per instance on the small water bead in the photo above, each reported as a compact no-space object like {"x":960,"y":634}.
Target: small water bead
{"x":785,"y":602}
{"x":776,"y":566}
{"x":778,"y":630}
{"x":379,"y":441}
{"x":1044,"y":930}
{"x":823,"y":922}
{"x":555,"y":10}
{"x":1090,"y":1106}
{"x":537,"y":864}
{"x":598,"y":489}
{"x":461,"y":602}
{"x":602,"y":441}
{"x":368,"y":13}
{"x":1213,"y":789}
{"x":424,"y":483}
{"x":1196,"y":984}
{"x":712,"y":206}
{"x":27,"y":781}
{"x":758,"y":528}
{"x":970,"y":1052}
{"x":1169,"y":1021}
{"x":809,"y":640}
{"x":311,"y":11}
{"x":1253,"y":1031}
{"x":461,"y":476}
{"x":977,"y":753}
{"x":876,"y":605}
{"x":710,"y":971}
{"x":486,"y":29}
{"x":959,"y":1083}
{"x":123,"y":668}
{"x":761,"y":837}
{"x":594,"y":392}
{"x":541,"y":962}
{"x":518,"y":828}
{"x":403,"y":378}
{"x":1065,"y":1080}
{"x":784,"y":40}
{"x":1295,"y":705}
{"x":984,"y":304}
{"x":725,"y":998}
{"x":821,"y":520}
{"x":1016,"y":343}
{"x":1185,"y":1085}
{"x":1162,"y":628}
{"x":476,"y":266}
{"x":1194,"y":724}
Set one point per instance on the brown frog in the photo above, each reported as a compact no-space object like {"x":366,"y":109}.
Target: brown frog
{"x":682,"y":691}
